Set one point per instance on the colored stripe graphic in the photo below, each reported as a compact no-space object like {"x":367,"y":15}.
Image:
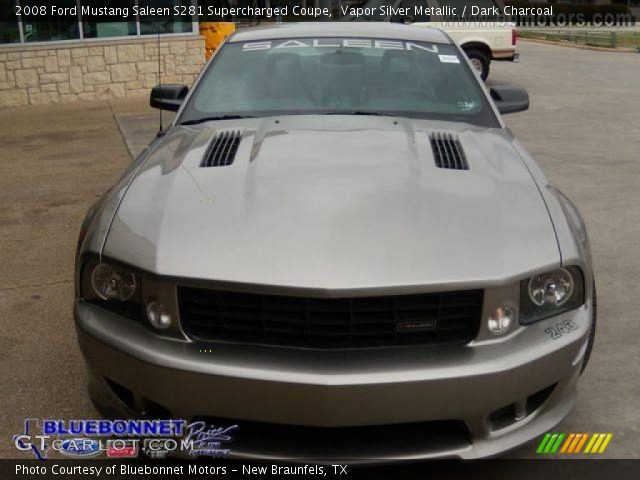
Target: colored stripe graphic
{"x":605,"y":443}
{"x":556,"y":446}
{"x":568,"y":442}
{"x":582,"y":442}
{"x":578,"y":440}
{"x":596,"y":446}
{"x":550,"y":443}
{"x":543,"y":443}
{"x":574,"y":442}
{"x":592,"y":440}
{"x":598,"y":442}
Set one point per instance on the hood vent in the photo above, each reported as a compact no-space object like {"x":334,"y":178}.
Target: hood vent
{"x":222,"y":149}
{"x":448,"y":152}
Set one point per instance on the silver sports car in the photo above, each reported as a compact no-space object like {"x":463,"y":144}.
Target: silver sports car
{"x":339,"y":247}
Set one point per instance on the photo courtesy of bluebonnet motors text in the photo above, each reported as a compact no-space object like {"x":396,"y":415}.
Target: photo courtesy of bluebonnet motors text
{"x":319,"y":238}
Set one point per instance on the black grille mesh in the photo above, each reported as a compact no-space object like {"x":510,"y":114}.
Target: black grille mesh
{"x":222,"y":149}
{"x":326,"y":323}
{"x":448,"y":152}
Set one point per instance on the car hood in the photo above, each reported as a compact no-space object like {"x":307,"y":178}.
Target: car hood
{"x":335,"y":203}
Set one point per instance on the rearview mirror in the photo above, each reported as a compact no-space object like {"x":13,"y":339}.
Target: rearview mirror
{"x":510,"y":99}
{"x":168,"y":97}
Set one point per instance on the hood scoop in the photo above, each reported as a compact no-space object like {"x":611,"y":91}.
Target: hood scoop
{"x":448,"y":152}
{"x":222,"y":149}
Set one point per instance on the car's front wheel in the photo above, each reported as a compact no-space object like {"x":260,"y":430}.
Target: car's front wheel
{"x":480,"y":62}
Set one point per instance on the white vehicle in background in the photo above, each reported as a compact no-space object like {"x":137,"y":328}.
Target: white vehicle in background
{"x":480,"y":27}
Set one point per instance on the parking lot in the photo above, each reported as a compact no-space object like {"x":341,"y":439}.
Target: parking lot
{"x":583,"y":127}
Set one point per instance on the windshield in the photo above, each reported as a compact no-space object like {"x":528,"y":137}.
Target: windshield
{"x":339,"y":75}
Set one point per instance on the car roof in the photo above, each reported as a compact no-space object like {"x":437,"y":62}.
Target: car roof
{"x":378,"y":30}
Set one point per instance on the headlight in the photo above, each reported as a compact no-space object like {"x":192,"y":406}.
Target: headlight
{"x":551,"y":293}
{"x":552,"y":289}
{"x":112,"y":287}
{"x":113,"y":283}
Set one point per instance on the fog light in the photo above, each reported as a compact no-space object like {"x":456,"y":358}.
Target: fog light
{"x":500,"y":320}
{"x":157,"y":315}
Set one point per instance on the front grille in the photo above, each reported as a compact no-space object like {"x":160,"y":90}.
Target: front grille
{"x":328,"y":323}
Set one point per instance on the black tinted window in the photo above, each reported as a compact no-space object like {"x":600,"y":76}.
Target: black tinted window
{"x":340,"y":75}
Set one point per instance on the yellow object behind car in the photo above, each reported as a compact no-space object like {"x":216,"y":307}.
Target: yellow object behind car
{"x":214,"y":34}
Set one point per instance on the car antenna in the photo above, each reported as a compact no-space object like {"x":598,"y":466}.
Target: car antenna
{"x":161,"y":130}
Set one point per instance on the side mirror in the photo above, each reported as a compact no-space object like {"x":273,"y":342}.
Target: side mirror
{"x":510,"y":99}
{"x":168,"y":97}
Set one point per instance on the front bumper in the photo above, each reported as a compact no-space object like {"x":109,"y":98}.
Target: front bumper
{"x":395,"y":391}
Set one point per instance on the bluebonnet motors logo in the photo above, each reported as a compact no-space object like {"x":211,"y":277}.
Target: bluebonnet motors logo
{"x":123,"y":438}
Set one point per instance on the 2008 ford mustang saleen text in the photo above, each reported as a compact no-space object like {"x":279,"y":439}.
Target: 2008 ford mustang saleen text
{"x":337,"y":239}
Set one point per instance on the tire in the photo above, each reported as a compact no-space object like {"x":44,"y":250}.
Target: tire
{"x":480,"y":61}
{"x":592,"y":333}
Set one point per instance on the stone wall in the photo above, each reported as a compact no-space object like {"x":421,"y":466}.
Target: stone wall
{"x":65,"y":72}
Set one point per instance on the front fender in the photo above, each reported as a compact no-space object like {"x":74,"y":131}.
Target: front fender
{"x":99,"y":217}
{"x":569,"y":226}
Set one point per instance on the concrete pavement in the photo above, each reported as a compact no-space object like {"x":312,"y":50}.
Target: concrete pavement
{"x":583,"y":127}
{"x":54,"y":162}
